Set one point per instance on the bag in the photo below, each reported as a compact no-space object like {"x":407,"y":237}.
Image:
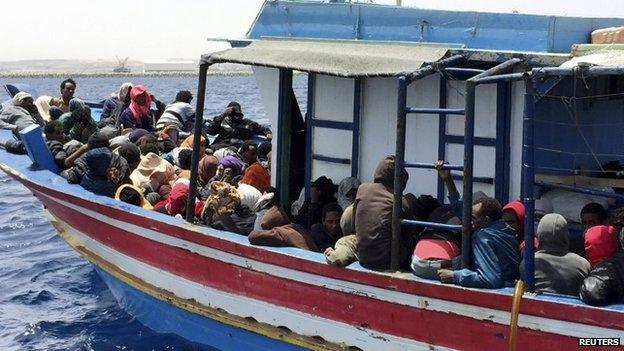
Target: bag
{"x":605,"y":283}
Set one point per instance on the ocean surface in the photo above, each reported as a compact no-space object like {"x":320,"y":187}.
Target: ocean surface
{"x":50,"y":297}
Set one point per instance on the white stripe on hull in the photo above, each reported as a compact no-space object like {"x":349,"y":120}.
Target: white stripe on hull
{"x":421,"y":302}
{"x":299,"y":322}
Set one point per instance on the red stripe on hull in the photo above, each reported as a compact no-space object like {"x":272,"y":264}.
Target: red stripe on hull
{"x":432,"y":327}
{"x":552,"y":310}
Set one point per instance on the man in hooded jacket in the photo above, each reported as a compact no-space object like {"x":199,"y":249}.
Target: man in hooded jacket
{"x":557,"y":270}
{"x":373,"y":218}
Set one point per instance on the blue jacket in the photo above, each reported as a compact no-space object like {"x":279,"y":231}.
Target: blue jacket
{"x":96,"y":178}
{"x":495,"y":258}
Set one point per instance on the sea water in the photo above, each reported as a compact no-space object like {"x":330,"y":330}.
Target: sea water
{"x":50,"y":297}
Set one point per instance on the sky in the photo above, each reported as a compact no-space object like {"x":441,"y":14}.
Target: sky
{"x":165,"y":29}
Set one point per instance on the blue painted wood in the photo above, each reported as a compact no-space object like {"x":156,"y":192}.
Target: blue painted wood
{"x":481,"y":141}
{"x":434,"y":225}
{"x":355,"y":132}
{"x":308,"y":121}
{"x":442,"y":132}
{"x":503,"y":141}
{"x":482,"y":180}
{"x":163,"y":317}
{"x":432,"y":166}
{"x":37,"y":149}
{"x":435,"y":111}
{"x":323,"y":123}
{"x":344,"y":161}
{"x":477,"y":30}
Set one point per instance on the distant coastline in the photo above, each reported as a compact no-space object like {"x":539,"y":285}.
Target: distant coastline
{"x":25,"y":74}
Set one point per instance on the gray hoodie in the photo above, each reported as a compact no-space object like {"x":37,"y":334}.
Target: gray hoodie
{"x":557,"y":270}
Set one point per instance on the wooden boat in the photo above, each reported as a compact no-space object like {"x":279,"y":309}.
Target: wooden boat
{"x":213,"y":287}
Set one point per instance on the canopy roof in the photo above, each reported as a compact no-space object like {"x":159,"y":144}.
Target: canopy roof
{"x":596,"y":55}
{"x":333,"y":57}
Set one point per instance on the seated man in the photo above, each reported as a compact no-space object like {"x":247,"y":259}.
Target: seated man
{"x":557,"y":270}
{"x":68,"y":88}
{"x":495,"y":251}
{"x":592,"y":214}
{"x":20,"y":114}
{"x":255,"y":174}
{"x":231,"y":125}
{"x":326,"y":233}
{"x":373,"y":219}
{"x":180,"y":114}
{"x":321,"y":193}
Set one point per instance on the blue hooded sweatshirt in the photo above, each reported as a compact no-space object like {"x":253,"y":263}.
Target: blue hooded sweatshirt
{"x":495,"y":258}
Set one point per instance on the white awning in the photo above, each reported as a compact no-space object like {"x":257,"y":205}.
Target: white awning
{"x":598,"y":58}
{"x":333,"y":57}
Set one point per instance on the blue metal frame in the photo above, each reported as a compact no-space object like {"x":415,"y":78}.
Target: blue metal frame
{"x":355,"y":131}
{"x":436,"y":111}
{"x":442,"y":132}
{"x":353,"y":126}
{"x":344,"y":161}
{"x":434,"y":225}
{"x":503,"y":135}
{"x":425,"y":165}
{"x":308,"y":122}
{"x":528,"y":180}
{"x":481,"y":141}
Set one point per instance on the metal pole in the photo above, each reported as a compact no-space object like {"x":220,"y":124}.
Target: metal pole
{"x":467,"y":183}
{"x":528,"y":180}
{"x":434,"y":67}
{"x":399,"y":159}
{"x":197,"y":134}
{"x":497,"y":69}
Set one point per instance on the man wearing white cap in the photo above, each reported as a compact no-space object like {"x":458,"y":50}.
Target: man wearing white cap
{"x":21,"y":114}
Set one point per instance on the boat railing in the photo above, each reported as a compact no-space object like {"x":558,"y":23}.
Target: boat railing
{"x":473,"y":78}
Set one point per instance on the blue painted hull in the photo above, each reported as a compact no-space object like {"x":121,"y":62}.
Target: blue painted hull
{"x":166,"y":318}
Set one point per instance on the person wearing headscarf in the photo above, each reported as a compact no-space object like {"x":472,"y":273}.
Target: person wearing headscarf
{"x":601,"y":243}
{"x":115,"y":105}
{"x":557,"y":270}
{"x":153,"y":173}
{"x":178,"y":197}
{"x":43,"y":104}
{"x":373,"y":218}
{"x":207,"y":169}
{"x":138,"y":114}
{"x":346,"y":191}
{"x":20,"y":114}
{"x":131,"y":194}
{"x":189,"y":141}
{"x":223,"y":199}
{"x":223,"y":152}
{"x":229,"y":170}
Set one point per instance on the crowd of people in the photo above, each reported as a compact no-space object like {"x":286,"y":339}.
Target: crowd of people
{"x":142,"y":156}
